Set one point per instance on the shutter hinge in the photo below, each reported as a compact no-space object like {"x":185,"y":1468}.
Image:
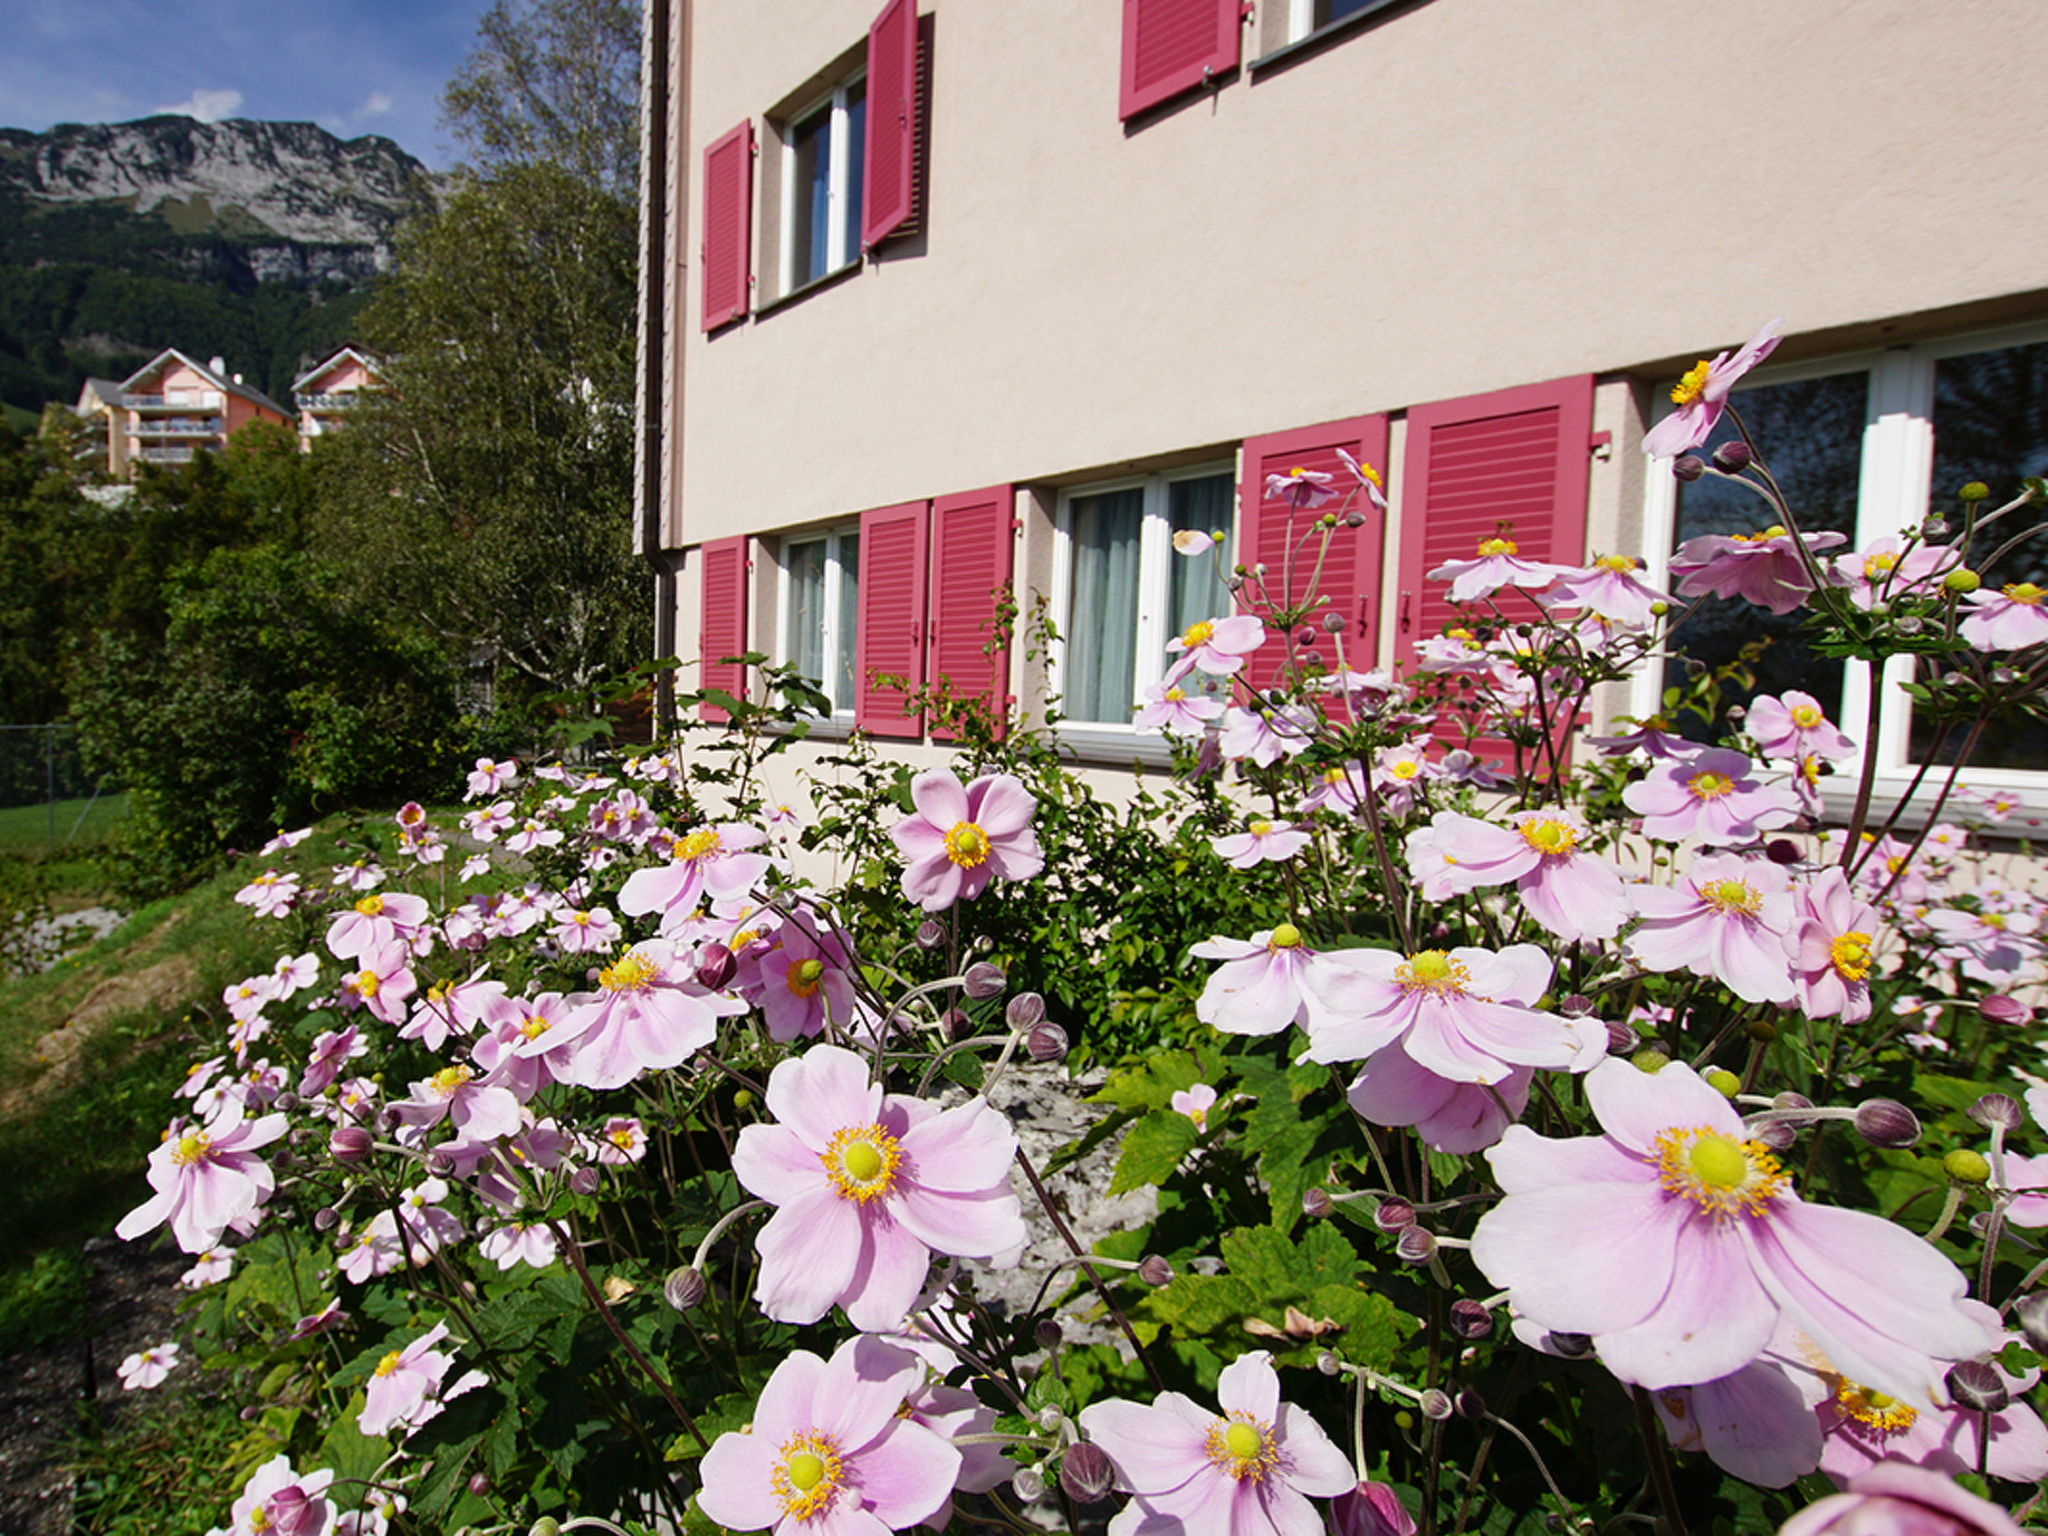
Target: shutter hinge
{"x":1601,"y":446}
{"x":1244,"y":11}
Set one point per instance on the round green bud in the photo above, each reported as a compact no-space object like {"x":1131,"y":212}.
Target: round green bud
{"x":1762,"y":1031}
{"x":1659,"y":609}
{"x":1404,"y":1420}
{"x":1724,"y":1082}
{"x":1962,"y":580}
{"x":1652,"y":1062}
{"x":744,"y":1099}
{"x":546,"y":1525}
{"x":1966,"y":1167}
{"x":1976,"y":490}
{"x":1218,"y":536}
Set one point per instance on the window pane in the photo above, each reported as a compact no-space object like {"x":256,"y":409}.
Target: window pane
{"x":849,"y":619}
{"x":1102,"y":624}
{"x":1327,"y":11}
{"x":1991,"y":424}
{"x":804,"y":635}
{"x":856,"y":163}
{"x":1195,"y":590}
{"x":1811,"y":435}
{"x":811,"y":206}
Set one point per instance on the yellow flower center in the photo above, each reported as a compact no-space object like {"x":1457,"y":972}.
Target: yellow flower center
{"x":861,"y":1161}
{"x":1198,"y":634}
{"x":1488,"y":548}
{"x":1850,"y":955}
{"x":1406,"y":768}
{"x":804,"y":976}
{"x":967,"y":845}
{"x":1691,"y":383}
{"x":1877,"y":567}
{"x":1433,"y":970}
{"x":192,"y":1148}
{"x":366,"y":984}
{"x":1621,"y":565}
{"x":2026,"y":592}
{"x":1547,"y":836}
{"x":533,"y":1026}
{"x":1874,"y":1409}
{"x":1286,"y":936}
{"x":448,"y":1079}
{"x":1709,"y":785}
{"x":580,"y":919}
{"x":389,"y":1363}
{"x":371,"y":906}
{"x":1993,"y":920}
{"x":631,"y":972}
{"x":1175,"y":695}
{"x":259,"y":1519}
{"x":806,"y":1474}
{"x":700,"y":844}
{"x":1722,"y":1176}
{"x":1242,"y":1447}
{"x":624,"y":1138}
{"x":1732,"y":896}
{"x":1775,"y":531}
{"x":1806,"y":716}
{"x":1261,"y":828}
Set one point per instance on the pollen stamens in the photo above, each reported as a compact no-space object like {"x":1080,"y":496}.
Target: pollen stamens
{"x":861,"y":1161}
{"x":1723,"y":1176}
{"x":1242,"y":1447}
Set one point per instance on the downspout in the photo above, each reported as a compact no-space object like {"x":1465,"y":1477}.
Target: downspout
{"x":651,"y":390}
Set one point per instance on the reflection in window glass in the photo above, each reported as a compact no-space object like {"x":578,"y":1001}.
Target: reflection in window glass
{"x":1810,"y":433}
{"x":1327,"y":11}
{"x":849,"y":619}
{"x":856,"y":168}
{"x":1991,"y":424}
{"x":1098,"y":678}
{"x":811,"y":228}
{"x":804,"y":639}
{"x":1195,"y":587}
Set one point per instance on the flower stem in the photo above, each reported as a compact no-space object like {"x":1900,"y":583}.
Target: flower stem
{"x":1660,"y":1464}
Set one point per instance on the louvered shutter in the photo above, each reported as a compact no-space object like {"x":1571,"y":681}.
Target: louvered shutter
{"x":971,"y":562}
{"x":1172,"y":46}
{"x":726,"y":252}
{"x":890,"y":640}
{"x":722,"y":629}
{"x":1517,"y":457}
{"x":891,"y":148}
{"x":1273,"y":533}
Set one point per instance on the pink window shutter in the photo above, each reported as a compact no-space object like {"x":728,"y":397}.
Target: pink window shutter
{"x":972,"y":541}
{"x":726,"y":253}
{"x":887,"y":201}
{"x":723,"y":621}
{"x":1172,"y":46}
{"x":890,"y":639}
{"x":1272,"y":532}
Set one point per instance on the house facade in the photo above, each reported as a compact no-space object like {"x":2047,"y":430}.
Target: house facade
{"x":172,"y":407}
{"x":329,"y":390}
{"x":942,"y":297}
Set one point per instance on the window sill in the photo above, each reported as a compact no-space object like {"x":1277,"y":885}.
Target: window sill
{"x":1321,"y":38}
{"x":1114,"y":746}
{"x":805,"y":290}
{"x":1838,"y":799}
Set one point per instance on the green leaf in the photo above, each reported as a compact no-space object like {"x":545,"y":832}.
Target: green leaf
{"x":1152,"y":1085}
{"x":726,"y":1415}
{"x":1152,"y":1149}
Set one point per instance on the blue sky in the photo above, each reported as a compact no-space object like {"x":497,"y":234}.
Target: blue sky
{"x":353,"y":66}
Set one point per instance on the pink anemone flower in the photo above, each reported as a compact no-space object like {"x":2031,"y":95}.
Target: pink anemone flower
{"x":1610,"y":587}
{"x":649,"y":1013}
{"x":1218,"y":646}
{"x":1498,"y":564}
{"x":830,"y":1451}
{"x":1727,"y":920}
{"x":148,"y":1369}
{"x":2010,"y":619}
{"x":1896,"y":1499}
{"x":1709,"y":797}
{"x":719,"y":861}
{"x":1765,"y":568}
{"x":405,"y":1389}
{"x":1830,"y":948}
{"x":1263,"y":842}
{"x":959,"y":839}
{"x":1701,"y":395}
{"x":1302,"y":489}
{"x":1796,"y":727}
{"x":278,"y":1501}
{"x":1574,"y":894}
{"x":1247,"y":1471}
{"x":1676,"y":1243}
{"x":867,"y":1187}
{"x":1266,"y":983}
{"x":206,"y":1177}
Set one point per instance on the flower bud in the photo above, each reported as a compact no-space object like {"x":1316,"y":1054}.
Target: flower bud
{"x":1886,"y":1123}
{"x":1086,"y":1474}
{"x":479,"y":1483}
{"x":2032,"y":1313}
{"x":1317,"y":1203}
{"x":1312,"y":657}
{"x":1050,"y":1419}
{"x":2003,"y":1008}
{"x":1790,"y":1100}
{"x":1733,"y":456}
{"x":1393,"y":1216}
{"x":350,"y":1143}
{"x":1722,"y":1081}
{"x":1333,"y":623}
{"x":956,"y":1024}
{"x":1354,"y":519}
{"x":1978,"y":1385}
{"x":1688,"y":467}
{"x":286,"y":1101}
{"x":1028,"y":1485}
{"x":1048,"y":1333}
{"x":1650,"y":1061}
{"x":1776,"y":1134}
{"x":1782,"y":850}
{"x":1415,"y":1245}
{"x":1436,"y":1404}
{"x":931,"y":933}
{"x":1046,"y":1044}
{"x":1620,"y":1038}
{"x":1962,"y":581}
{"x":684,"y":1288}
{"x":984,"y":979}
{"x":440,"y":1164}
{"x":584,"y":1181}
{"x":1909,"y":625}
{"x":1024,"y":1010}
{"x":1470,"y":1319}
{"x":1573,"y":1346}
{"x":387,"y":1120}
{"x":1998,"y":1109}
{"x":1760,"y":1030}
{"x":251,"y":1414}
{"x":1305,"y":635}
{"x":326,"y":1219}
{"x":1154,"y":1270}
{"x":1371,"y":1509}
{"x":715,"y":965}
{"x":1470,"y":1404}
{"x":1328,"y":1363}
{"x":1967,"y":1167}
{"x":1975,"y":490}
{"x":546,"y":1525}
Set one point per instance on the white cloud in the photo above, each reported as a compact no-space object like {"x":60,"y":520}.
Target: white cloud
{"x":207,"y":106}
{"x":376,"y":104}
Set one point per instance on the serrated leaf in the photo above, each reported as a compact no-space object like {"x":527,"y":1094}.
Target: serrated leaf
{"x":1152,"y":1149}
{"x":1199,"y":1304}
{"x":1152,"y":1085}
{"x":1372,"y":1325}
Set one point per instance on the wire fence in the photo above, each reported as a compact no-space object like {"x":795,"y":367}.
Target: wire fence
{"x":40,"y":765}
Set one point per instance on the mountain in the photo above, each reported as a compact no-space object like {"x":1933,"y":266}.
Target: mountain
{"x":257,"y":242}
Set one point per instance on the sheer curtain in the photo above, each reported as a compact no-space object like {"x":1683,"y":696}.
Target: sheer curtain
{"x":1098,"y":678}
{"x":1194,"y":589}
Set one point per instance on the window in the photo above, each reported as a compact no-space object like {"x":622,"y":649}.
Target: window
{"x":823,"y":179}
{"x":1867,"y":446}
{"x":819,"y":597}
{"x":1306,"y":16}
{"x":1122,"y":591}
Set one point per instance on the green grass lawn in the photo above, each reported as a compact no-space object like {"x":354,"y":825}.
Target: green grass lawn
{"x":33,"y":829}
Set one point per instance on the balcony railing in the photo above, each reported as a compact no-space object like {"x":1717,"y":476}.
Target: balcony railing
{"x":165,"y":455}
{"x":210,"y":427}
{"x":335,"y":402}
{"x":192,"y":400}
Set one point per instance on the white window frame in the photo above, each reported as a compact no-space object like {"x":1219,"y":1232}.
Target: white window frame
{"x":1893,"y":493}
{"x":1155,"y":572}
{"x":835,"y":575}
{"x":842,"y":243}
{"x":1301,"y":20}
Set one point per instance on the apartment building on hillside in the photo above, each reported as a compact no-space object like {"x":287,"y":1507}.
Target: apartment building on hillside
{"x":328,"y":391}
{"x":172,"y":407}
{"x":941,"y":295}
